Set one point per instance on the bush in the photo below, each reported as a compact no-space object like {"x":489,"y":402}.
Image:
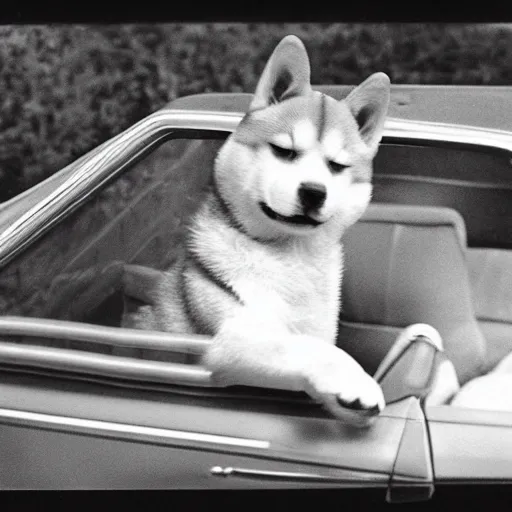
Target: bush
{"x":66,"y":89}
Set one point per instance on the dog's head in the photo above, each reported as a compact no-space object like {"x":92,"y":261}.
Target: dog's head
{"x":299,"y":159}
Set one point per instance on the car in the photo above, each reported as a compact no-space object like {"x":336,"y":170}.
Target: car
{"x":86,"y":404}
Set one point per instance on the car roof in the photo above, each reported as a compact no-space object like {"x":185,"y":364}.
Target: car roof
{"x":482,"y":106}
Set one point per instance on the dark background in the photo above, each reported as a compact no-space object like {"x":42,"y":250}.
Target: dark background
{"x":67,"y":88}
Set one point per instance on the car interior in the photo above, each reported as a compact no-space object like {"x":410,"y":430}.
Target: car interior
{"x":432,"y":248}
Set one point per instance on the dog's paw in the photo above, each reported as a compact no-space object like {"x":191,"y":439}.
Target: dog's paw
{"x":348,"y":392}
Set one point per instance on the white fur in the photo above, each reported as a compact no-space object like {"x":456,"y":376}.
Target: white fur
{"x":284,"y":140}
{"x":304,"y":135}
{"x":332,"y":146}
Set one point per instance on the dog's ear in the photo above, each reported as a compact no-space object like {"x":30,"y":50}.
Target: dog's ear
{"x":286,"y":74}
{"x":369,"y":104}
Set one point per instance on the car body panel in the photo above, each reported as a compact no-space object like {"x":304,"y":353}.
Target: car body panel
{"x":238,"y":436}
{"x":480,"y":441}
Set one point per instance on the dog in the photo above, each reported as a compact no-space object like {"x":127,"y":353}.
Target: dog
{"x":263,"y":265}
{"x":263,"y":262}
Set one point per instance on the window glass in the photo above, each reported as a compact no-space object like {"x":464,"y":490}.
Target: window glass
{"x":475,"y":182}
{"x":74,"y":271}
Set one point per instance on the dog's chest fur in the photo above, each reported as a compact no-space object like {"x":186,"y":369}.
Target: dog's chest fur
{"x":294,"y":285}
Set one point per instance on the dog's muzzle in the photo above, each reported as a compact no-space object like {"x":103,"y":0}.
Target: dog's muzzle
{"x":300,"y":220}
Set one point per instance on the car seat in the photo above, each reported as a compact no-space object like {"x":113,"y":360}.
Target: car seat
{"x":407,"y":265}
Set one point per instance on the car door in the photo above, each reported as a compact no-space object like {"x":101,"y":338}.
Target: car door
{"x":62,"y":434}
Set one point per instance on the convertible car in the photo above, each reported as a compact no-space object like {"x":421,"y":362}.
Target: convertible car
{"x":86,"y":404}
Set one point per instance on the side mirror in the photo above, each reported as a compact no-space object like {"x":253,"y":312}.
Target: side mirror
{"x":417,"y":366}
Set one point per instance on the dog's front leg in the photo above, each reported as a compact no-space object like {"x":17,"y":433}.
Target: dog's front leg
{"x":253,"y":352}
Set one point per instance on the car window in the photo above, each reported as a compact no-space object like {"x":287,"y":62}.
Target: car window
{"x":74,"y":271}
{"x":475,"y":181}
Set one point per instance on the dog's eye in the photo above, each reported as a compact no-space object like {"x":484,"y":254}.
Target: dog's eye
{"x":283,"y":153}
{"x":335,"y":167}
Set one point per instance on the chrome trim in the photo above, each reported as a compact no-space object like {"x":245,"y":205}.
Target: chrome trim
{"x":102,"y":335}
{"x":92,"y":170}
{"x":447,"y":182}
{"x":445,"y":132}
{"x":80,"y":361}
{"x":351,"y":477}
{"x":127,"y":431}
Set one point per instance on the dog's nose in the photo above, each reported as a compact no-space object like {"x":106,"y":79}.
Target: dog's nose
{"x":312,"y":195}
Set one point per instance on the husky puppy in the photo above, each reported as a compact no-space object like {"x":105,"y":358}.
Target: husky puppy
{"x":263,"y":266}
